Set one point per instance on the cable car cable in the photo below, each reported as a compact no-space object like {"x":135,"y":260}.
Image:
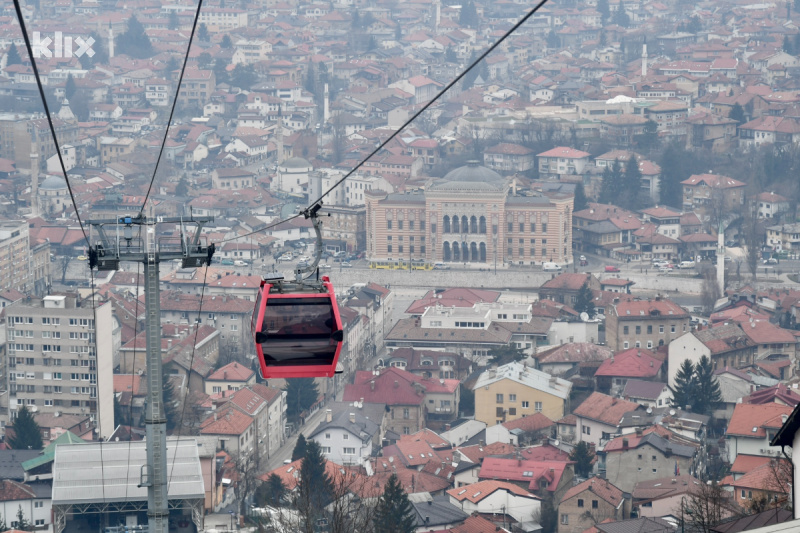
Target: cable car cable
{"x":172,"y":109}
{"x":31,"y":56}
{"x":130,"y":404}
{"x":188,"y":374}
{"x":394,"y":134}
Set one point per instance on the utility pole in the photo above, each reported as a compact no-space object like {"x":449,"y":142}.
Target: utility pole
{"x":135,"y":239}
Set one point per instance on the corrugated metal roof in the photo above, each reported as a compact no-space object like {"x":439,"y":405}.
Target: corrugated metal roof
{"x":109,"y":471}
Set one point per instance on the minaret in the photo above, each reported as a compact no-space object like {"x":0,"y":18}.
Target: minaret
{"x":721,"y":259}
{"x":34,"y":184}
{"x":279,"y":133}
{"x":110,"y":41}
{"x":644,"y":58}
{"x":438,"y":14}
{"x":326,"y":111}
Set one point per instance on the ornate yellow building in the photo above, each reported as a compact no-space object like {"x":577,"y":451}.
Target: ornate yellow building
{"x":472,"y":215}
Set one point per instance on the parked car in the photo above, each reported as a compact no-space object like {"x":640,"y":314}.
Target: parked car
{"x":771,"y":261}
{"x":227,"y":262}
{"x":686,"y":264}
{"x":612,"y":268}
{"x":240,"y":263}
{"x":346,"y":264}
{"x":325,"y":266}
{"x":658,"y":263}
{"x":665,"y":269}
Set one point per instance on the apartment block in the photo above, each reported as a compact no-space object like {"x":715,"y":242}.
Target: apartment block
{"x":60,"y":358}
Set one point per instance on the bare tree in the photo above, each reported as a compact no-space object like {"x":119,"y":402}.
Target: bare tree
{"x":776,"y":488}
{"x":248,"y":479}
{"x":752,"y":240}
{"x":705,"y":506}
{"x":354,"y":499}
{"x":64,"y":264}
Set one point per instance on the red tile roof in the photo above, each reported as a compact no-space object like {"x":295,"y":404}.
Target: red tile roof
{"x":713,"y":180}
{"x":523,"y":470}
{"x":534,"y":422}
{"x":232,"y":372}
{"x":475,"y":524}
{"x":12,"y":490}
{"x":457,"y":297}
{"x":604,"y":408}
{"x":780,"y":394}
{"x":635,"y":309}
{"x":632,"y":363}
{"x":746,"y":463}
{"x":602,"y":488}
{"x":128,"y":383}
{"x":766,"y":477}
{"x":477,"y":452}
{"x":482,"y":489}
{"x":228,"y":421}
{"x":567,"y":281}
{"x":566,"y":152}
{"x":747,"y":417}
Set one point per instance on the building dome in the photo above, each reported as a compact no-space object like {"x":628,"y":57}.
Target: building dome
{"x":471,"y":177}
{"x":53,"y":183}
{"x":296,"y":163}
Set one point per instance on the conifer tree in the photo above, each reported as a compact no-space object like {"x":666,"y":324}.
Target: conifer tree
{"x":301,"y":394}
{"x":69,"y":87}
{"x":584,"y":301}
{"x":708,"y":391}
{"x":581,"y":202}
{"x":632,"y":184}
{"x":394,"y":513}
{"x":13,"y":58}
{"x":202,"y":32}
{"x":135,"y":42}
{"x":27,"y":435}
{"x":582,"y":455}
{"x":685,"y":391}
{"x":299,"y":450}
{"x":315,"y":488}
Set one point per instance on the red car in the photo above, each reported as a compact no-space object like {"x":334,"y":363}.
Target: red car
{"x":612,"y":268}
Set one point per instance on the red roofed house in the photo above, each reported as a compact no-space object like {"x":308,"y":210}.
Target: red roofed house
{"x":230,"y":377}
{"x":633,"y":363}
{"x":232,"y":428}
{"x":546,"y":479}
{"x":526,"y":430}
{"x":565,"y":287}
{"x":752,"y":427}
{"x":562,"y":160}
{"x":707,"y":193}
{"x":599,"y":416}
{"x":487,"y":497}
{"x":770,"y":205}
{"x":771,"y":481}
{"x":644,"y":323}
{"x":589,"y":503}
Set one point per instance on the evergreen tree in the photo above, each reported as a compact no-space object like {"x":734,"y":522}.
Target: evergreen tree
{"x":708,"y":392}
{"x":685,"y":391}
{"x":100,"y":56}
{"x":621,"y":17}
{"x":301,"y":394}
{"x":171,"y":66}
{"x":310,"y":81}
{"x":173,"y":20}
{"x":468,"y":16}
{"x":3,"y":525}
{"x":315,"y":488}
{"x":79,"y":104}
{"x":372,"y":44}
{"x":243,"y":76}
{"x":300,"y":446}
{"x":737,"y":113}
{"x":672,"y":173}
{"x":271,"y":492}
{"x":649,"y":137}
{"x":394,"y":512}
{"x":602,"y":8}
{"x":581,"y":202}
{"x":467,"y":402}
{"x":584,"y":301}
{"x":505,"y":354}
{"x":220,"y":70}
{"x":398,"y":33}
{"x":120,"y":416}
{"x":632,"y":184}
{"x":548,"y":516}
{"x":583,"y":455}
{"x":469,"y":78}
{"x":611,"y":184}
{"x":226,"y":42}
{"x":27,"y":435}
{"x":13,"y":58}
{"x":553,"y":40}
{"x":450,"y":55}
{"x":788,"y":46}
{"x":182,"y":189}
{"x":695,"y":25}
{"x":205,"y":60}
{"x":355,"y":19}
{"x":135,"y":42}
{"x":202,"y":32}
{"x":69,"y":87}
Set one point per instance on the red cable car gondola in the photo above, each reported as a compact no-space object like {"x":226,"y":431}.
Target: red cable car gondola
{"x":296,"y":325}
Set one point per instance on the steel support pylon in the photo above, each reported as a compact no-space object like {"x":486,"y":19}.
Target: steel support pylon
{"x":144,"y":247}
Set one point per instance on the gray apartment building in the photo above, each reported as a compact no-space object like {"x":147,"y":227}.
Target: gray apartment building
{"x":60,"y":358}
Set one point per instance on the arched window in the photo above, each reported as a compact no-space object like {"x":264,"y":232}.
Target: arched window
{"x":456,"y":252}
{"x":464,"y":224}
{"x":473,"y":252}
{"x":473,"y":224}
{"x":483,"y":252}
{"x":465,"y":251}
{"x":446,"y":224}
{"x":446,"y":251}
{"x":456,"y":225}
{"x":482,"y":225}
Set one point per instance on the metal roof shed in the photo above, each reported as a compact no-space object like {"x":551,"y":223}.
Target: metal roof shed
{"x":105,"y":477}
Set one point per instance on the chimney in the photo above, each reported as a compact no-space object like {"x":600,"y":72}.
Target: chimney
{"x":224,"y":374}
{"x":396,"y":384}
{"x":328,"y":415}
{"x":481,"y":444}
{"x":447,"y":427}
{"x":361,"y":403}
{"x":352,"y":418}
{"x":638,"y":432}
{"x":372,"y":385}
{"x":624,"y":444}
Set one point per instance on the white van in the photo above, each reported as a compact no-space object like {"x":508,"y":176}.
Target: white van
{"x":441,"y":266}
{"x":551,"y":267}
{"x":686,"y":264}
{"x":240,"y":263}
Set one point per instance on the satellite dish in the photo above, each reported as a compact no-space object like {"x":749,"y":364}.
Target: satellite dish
{"x":585,"y":316}
{"x":649,"y":410}
{"x":672,"y":412}
{"x":555,"y":442}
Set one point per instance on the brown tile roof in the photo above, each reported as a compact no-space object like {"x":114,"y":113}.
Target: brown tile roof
{"x":604,"y":408}
{"x":567,"y":281}
{"x":12,"y":490}
{"x":574,"y":352}
{"x":477,"y":452}
{"x":483,"y":489}
{"x":747,"y":417}
{"x":231,"y":372}
{"x":602,"y":488}
{"x":226,"y":421}
{"x":534,"y":422}
{"x":638,"y":308}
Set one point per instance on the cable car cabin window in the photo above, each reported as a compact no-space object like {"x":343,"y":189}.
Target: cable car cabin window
{"x":298,"y":331}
